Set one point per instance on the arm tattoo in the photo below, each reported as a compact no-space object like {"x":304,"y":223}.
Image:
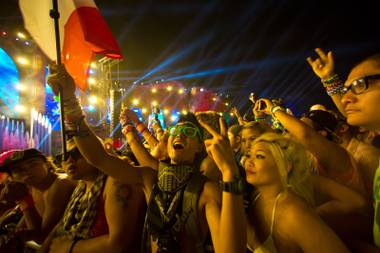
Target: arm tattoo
{"x":123,"y":193}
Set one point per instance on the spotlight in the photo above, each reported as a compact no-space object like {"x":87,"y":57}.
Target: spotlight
{"x":21,"y":35}
{"x":143,"y":110}
{"x":93,"y":65}
{"x":22,"y":60}
{"x":91,"y":108}
{"x":227,"y":104}
{"x":213,"y":99}
{"x":154,"y":103}
{"x":202,"y":90}
{"x":20,"y":87}
{"x":181,"y":91}
{"x":174,"y":118}
{"x":154,"y":90}
{"x":166,"y":111}
{"x":91,"y":80}
{"x":184,"y":112}
{"x":135,"y":101}
{"x":20,"y":108}
{"x":169,"y":88}
{"x":93,"y":99}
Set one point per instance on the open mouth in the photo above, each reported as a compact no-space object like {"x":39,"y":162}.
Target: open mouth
{"x":178,"y":146}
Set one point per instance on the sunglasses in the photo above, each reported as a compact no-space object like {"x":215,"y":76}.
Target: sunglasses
{"x":188,"y":131}
{"x":74,"y":154}
{"x":360,"y":85}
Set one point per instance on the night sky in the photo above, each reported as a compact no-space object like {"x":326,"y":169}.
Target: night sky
{"x":236,"y":47}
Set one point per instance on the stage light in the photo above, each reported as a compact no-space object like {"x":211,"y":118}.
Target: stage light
{"x":169,"y":88}
{"x":174,"y":118}
{"x":154,"y":103}
{"x":91,"y":108}
{"x":202,"y":90}
{"x":22,"y":60}
{"x":93,"y":65}
{"x":227,"y":104}
{"x":166,"y":111}
{"x":93,"y":99}
{"x":231,"y":114}
{"x":20,"y":87}
{"x":154,"y":90}
{"x":27,"y":43}
{"x":21,"y":35}
{"x":4,"y":33}
{"x":91,"y":80}
{"x":20,"y":108}
{"x":91,"y":71}
{"x":221,"y":114}
{"x":135,"y":101}
{"x":184,"y":112}
{"x":143,"y":110}
{"x":213,"y":99}
{"x":181,"y":91}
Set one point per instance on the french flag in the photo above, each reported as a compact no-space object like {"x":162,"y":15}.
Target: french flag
{"x":83,"y":33}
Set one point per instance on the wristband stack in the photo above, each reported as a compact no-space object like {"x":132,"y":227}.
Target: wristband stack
{"x":333,"y":85}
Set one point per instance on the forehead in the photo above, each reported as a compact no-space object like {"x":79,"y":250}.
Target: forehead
{"x":365,"y":68}
{"x":248,"y":132}
{"x":26,"y":163}
{"x":262,"y":146}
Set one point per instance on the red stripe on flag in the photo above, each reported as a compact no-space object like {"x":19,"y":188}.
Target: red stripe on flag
{"x":86,"y":34}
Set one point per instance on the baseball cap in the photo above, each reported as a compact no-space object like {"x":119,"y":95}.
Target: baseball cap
{"x":11,"y":157}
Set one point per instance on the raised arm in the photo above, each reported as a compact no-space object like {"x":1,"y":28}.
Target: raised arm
{"x":89,"y":145}
{"x":323,"y":67}
{"x":226,"y":218}
{"x":329,"y":154}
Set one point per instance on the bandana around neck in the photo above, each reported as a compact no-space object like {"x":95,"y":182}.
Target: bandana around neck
{"x":172,"y":177}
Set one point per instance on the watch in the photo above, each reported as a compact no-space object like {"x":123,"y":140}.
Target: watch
{"x":235,"y":187}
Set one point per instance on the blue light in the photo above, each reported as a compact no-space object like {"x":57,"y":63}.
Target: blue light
{"x":52,"y":108}
{"x":9,"y":96}
{"x":91,"y":108}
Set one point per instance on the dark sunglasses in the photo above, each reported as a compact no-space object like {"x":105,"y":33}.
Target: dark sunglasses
{"x":188,"y":131}
{"x":74,"y":154}
{"x":360,"y":85}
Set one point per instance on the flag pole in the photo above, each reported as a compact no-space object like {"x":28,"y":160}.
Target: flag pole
{"x":54,"y":14}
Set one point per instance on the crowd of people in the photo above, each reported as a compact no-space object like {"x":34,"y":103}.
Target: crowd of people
{"x":269,"y":182}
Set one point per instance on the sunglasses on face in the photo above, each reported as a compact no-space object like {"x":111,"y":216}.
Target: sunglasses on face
{"x":188,"y":131}
{"x":74,"y":154}
{"x":360,"y":85}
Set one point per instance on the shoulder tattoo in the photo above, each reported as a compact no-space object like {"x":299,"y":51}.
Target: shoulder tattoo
{"x":123,"y":193}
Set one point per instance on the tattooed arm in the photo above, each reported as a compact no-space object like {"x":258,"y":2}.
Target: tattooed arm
{"x":124,"y":210}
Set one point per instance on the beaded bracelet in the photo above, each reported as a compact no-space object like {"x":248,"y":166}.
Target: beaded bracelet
{"x":334,"y":78}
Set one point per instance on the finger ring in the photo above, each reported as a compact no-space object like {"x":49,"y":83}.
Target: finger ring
{"x":320,"y":66}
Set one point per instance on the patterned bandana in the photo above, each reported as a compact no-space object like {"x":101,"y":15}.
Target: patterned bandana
{"x":81,"y":209}
{"x":171,"y":177}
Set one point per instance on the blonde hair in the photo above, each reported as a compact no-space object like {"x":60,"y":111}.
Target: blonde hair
{"x":288,"y":152}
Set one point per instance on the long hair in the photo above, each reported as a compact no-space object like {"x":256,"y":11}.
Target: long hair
{"x":288,"y":152}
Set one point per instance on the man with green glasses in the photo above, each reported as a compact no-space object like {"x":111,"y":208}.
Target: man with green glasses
{"x":183,"y":206}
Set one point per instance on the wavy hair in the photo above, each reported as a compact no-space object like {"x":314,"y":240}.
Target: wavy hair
{"x":289,"y":152}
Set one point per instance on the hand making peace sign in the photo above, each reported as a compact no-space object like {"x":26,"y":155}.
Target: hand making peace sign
{"x":219,"y":148}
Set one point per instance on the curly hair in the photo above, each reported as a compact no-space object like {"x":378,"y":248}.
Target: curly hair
{"x":288,"y":152}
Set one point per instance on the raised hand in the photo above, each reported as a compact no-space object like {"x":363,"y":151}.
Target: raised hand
{"x":263,"y":105}
{"x":58,"y":77}
{"x":128,"y":116}
{"x":323,"y":66}
{"x":219,"y":148}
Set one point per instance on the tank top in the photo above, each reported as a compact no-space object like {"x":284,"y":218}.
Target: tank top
{"x":268,"y":245}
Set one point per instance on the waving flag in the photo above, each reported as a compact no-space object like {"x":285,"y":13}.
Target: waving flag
{"x":83,"y":33}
